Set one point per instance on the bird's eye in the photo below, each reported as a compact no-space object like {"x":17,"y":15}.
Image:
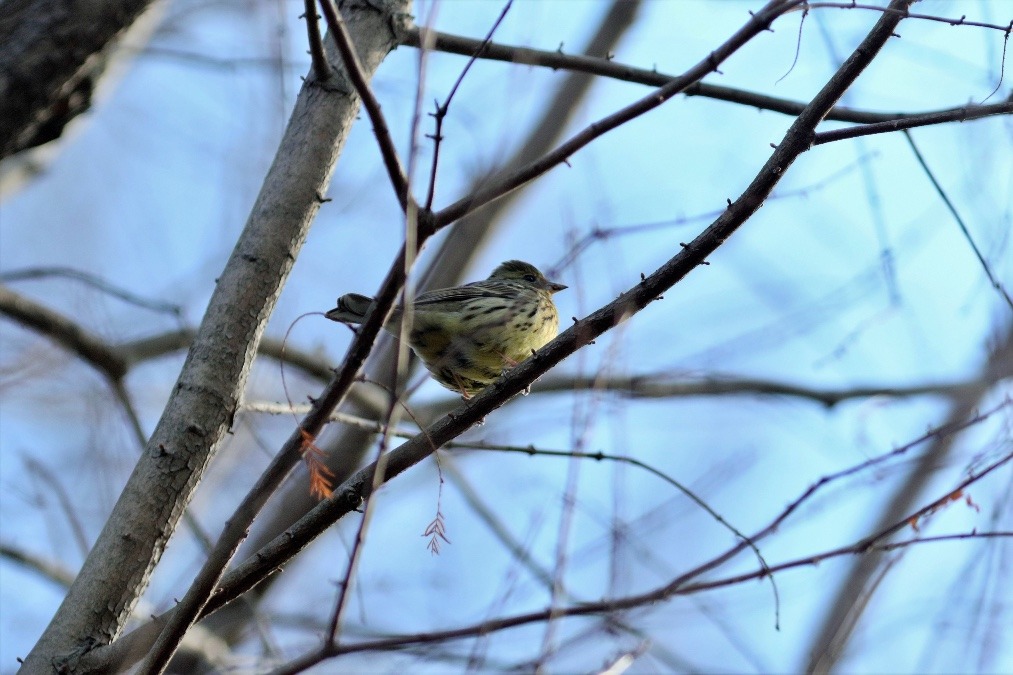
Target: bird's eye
{"x":530,"y":278}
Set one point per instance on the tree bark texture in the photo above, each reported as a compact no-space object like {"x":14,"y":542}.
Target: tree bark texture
{"x":53,"y":54}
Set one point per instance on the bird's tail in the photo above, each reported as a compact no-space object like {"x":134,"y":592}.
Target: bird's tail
{"x":352,"y":308}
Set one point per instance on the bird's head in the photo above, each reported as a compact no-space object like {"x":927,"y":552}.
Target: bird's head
{"x":517,"y":270}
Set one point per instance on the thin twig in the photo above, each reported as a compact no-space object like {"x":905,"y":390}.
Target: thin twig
{"x":971,"y":112}
{"x":321,"y":68}
{"x":67,"y":505}
{"x":68,"y":334}
{"x":359,"y":544}
{"x":95,"y":281}
{"x":49,"y":569}
{"x":442,"y":109}
{"x":343,"y":40}
{"x":904,"y":14}
{"x":960,"y":221}
{"x":665,"y":386}
{"x":557,"y":60}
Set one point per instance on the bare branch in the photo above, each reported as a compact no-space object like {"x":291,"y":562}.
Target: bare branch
{"x":905,"y":14}
{"x":444,"y":108}
{"x":321,"y":68}
{"x":960,"y":221}
{"x":68,"y":334}
{"x":339,"y":33}
{"x":95,"y":281}
{"x":557,"y":60}
{"x":49,"y":569}
{"x":666,"y":386}
{"x":971,"y":112}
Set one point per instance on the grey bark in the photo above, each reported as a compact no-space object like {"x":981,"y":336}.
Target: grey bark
{"x":53,"y":54}
{"x":202,"y":404}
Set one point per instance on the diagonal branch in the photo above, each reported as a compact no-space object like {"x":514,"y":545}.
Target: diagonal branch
{"x":995,"y":283}
{"x":92,"y":349}
{"x":343,"y":40}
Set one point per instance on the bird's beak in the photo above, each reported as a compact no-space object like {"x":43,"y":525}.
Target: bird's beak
{"x":556,"y":288}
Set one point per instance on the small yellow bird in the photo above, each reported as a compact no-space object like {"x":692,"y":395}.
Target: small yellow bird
{"x":468,"y":335}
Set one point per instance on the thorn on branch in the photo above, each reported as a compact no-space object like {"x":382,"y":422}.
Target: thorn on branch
{"x":713,"y":60}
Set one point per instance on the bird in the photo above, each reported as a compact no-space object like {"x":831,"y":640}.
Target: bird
{"x":467,"y":336}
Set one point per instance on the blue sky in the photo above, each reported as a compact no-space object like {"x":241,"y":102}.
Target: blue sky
{"x":151,"y":189}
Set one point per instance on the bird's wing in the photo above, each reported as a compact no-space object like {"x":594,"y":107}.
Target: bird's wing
{"x":472,"y":291}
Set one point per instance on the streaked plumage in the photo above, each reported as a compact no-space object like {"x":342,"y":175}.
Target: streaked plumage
{"x":468,"y":335}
